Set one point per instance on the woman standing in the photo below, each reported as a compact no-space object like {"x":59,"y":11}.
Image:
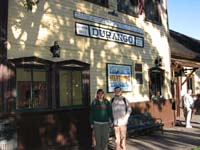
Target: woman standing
{"x":101,"y":118}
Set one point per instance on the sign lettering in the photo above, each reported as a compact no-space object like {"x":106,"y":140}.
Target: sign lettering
{"x":106,"y":34}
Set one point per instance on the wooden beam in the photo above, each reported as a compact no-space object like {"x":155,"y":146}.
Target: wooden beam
{"x":194,"y":69}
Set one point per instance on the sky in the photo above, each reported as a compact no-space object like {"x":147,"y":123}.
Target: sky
{"x":184,"y":17}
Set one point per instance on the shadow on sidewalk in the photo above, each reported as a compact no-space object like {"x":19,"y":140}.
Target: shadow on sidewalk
{"x":170,"y":140}
{"x":175,"y":138}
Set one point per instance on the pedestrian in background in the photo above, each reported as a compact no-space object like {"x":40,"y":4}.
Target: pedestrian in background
{"x":121,"y":112}
{"x":101,"y":118}
{"x":188,"y":105}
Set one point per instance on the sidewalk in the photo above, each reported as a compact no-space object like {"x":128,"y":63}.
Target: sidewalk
{"x":175,"y":138}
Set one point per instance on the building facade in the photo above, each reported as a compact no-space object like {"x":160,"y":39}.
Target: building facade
{"x":185,"y":69}
{"x":56,"y":54}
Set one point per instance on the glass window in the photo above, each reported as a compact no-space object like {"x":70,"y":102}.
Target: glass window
{"x":42,"y":84}
{"x":139,"y":77}
{"x":71,"y":87}
{"x":128,"y":6}
{"x":152,"y":11}
{"x":31,"y":86}
{"x":73,"y":84}
{"x":156,"y":82}
{"x":100,"y":2}
{"x":138,"y":73}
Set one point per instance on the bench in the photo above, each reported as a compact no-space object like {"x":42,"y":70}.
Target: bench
{"x":142,"y":124}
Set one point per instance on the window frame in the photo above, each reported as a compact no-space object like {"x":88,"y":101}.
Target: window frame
{"x":74,"y":65}
{"x":53,"y":67}
{"x":71,"y":70}
{"x":33,"y":68}
{"x":33,"y":63}
{"x":154,"y":6}
{"x":139,"y":71}
{"x":129,"y":7}
{"x":159,"y":83}
{"x":99,"y":3}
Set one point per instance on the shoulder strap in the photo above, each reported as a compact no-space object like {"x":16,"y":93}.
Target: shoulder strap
{"x":112,"y":100}
{"x":125,"y":104}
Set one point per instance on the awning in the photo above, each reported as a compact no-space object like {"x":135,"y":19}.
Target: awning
{"x":186,"y":63}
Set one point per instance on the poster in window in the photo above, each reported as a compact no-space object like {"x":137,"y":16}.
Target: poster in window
{"x":119,"y":75}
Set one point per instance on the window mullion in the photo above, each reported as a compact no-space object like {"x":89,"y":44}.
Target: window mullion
{"x":32,"y":94}
{"x":71,"y":87}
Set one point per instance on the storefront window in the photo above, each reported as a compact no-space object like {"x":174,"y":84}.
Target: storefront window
{"x":156,"y":83}
{"x":128,"y":6}
{"x":70,"y":87}
{"x":41,"y":84}
{"x":73,"y":84}
{"x":31,"y":86}
{"x":152,"y":11}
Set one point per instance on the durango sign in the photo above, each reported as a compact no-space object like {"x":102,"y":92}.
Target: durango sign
{"x":106,"y":34}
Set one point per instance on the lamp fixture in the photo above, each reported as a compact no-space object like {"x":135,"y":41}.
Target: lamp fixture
{"x":55,"y":49}
{"x":158,"y":61}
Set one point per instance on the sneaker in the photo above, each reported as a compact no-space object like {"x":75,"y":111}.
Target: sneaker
{"x":188,"y":126}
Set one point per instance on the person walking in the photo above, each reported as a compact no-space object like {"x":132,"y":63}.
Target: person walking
{"x":101,"y":118}
{"x":188,"y":105}
{"x":121,"y":112}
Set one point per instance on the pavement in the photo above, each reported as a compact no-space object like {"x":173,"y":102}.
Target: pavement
{"x":174,"y":138}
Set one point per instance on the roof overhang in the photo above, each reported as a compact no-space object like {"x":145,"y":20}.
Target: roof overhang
{"x":185,"y":63}
{"x":183,"y":47}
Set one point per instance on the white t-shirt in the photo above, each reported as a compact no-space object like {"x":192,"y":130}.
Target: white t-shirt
{"x":187,"y":101}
